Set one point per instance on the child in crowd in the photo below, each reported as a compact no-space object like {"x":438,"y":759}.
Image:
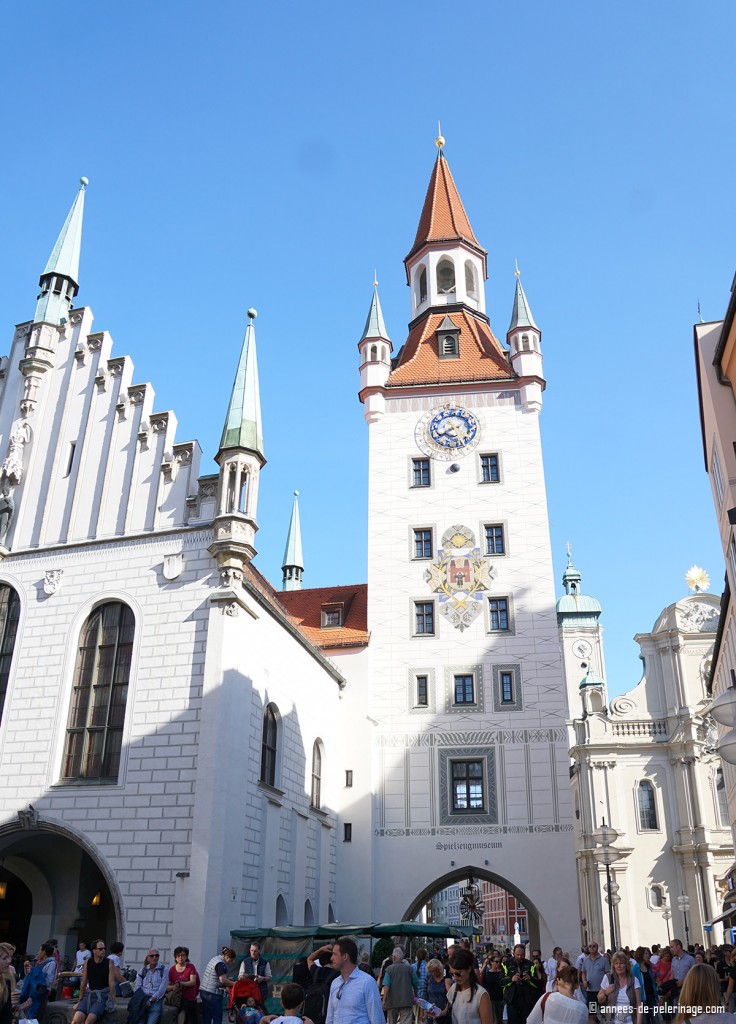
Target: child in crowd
{"x":292,"y":1000}
{"x":249,"y":1012}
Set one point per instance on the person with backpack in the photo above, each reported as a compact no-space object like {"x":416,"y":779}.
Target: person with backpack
{"x":153,"y":981}
{"x":561,"y":1005}
{"x":318,"y":993}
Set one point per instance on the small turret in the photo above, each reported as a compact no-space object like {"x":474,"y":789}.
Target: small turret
{"x":241,"y":459}
{"x":293,"y":564}
{"x":375,"y":360}
{"x":525,"y":351}
{"x":60,"y":280}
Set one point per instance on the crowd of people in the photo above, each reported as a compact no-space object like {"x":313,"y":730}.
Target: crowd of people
{"x":330,"y":986}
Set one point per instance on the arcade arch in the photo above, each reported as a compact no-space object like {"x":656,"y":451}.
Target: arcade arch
{"x":477,"y":874}
{"x":57,"y":886}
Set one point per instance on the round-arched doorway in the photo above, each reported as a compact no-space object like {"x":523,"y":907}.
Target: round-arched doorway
{"x":52,"y":885}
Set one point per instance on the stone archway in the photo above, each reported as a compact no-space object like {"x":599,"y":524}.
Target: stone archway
{"x":72,"y":893}
{"x":479,"y":874}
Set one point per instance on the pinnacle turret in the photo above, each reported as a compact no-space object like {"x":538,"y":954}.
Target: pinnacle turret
{"x":243,"y":427}
{"x":293,"y":564}
{"x":521,"y":315}
{"x":375,"y":326}
{"x":60,"y":280}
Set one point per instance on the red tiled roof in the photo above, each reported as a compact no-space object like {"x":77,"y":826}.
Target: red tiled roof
{"x":443,"y":214}
{"x":305,"y":610}
{"x":481,"y":356}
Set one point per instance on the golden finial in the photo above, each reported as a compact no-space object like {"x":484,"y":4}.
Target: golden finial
{"x":517,"y":272}
{"x":440,"y":140}
{"x":375,"y":279}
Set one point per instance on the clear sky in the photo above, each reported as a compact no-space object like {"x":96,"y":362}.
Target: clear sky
{"x":274,"y":154}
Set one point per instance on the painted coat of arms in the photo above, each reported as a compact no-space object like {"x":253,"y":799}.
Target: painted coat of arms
{"x":460,"y":575}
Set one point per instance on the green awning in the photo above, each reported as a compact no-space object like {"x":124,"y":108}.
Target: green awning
{"x":334,"y":931}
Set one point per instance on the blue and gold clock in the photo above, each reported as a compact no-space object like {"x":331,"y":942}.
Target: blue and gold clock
{"x":448,"y":432}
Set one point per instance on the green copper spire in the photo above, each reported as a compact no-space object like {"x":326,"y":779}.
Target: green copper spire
{"x":293,"y":564}
{"x":571,"y":577}
{"x":243,"y":422}
{"x":522,"y":314}
{"x":60,"y":280}
{"x":375,"y":326}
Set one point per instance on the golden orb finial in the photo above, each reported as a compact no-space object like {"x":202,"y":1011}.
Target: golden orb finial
{"x":440,"y":140}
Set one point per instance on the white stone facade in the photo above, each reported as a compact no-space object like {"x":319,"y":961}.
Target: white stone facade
{"x":645,"y":764}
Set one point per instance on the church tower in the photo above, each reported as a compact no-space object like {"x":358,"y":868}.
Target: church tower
{"x":581,"y":640}
{"x":467,"y":689}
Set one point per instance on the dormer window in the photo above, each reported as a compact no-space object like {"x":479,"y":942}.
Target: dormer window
{"x":332,"y":616}
{"x":445,"y":276}
{"x":448,"y":347}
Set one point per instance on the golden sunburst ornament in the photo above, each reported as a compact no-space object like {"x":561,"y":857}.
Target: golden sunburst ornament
{"x":697,"y":579}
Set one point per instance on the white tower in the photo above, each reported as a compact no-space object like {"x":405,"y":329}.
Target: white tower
{"x":466,"y":682}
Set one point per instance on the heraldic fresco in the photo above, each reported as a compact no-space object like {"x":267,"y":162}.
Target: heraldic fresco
{"x":460,"y":575}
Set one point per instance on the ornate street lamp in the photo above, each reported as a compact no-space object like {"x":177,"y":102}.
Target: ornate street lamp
{"x":604,"y":837}
{"x":683,"y":904}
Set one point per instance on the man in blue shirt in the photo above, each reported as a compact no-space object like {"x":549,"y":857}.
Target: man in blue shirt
{"x":354,"y":996}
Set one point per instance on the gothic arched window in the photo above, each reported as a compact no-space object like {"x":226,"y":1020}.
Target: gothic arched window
{"x":94,"y":736}
{"x":9,"y":614}
{"x":470,"y":285}
{"x":269,"y":745}
{"x":422,"y":286}
{"x":445,"y":276}
{"x":316,"y":796}
{"x":647,"y":806}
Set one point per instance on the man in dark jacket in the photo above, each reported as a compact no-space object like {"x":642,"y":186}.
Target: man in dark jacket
{"x":521,"y":986}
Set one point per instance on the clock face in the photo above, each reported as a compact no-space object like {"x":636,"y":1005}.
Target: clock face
{"x":447,"y":432}
{"x":582,"y":649}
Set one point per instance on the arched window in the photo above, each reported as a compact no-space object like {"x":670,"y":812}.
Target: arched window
{"x":94,"y":736}
{"x":316,"y":798}
{"x":722,"y":802}
{"x":657,"y":893}
{"x":282,"y":914}
{"x":374,"y":353}
{"x":422,"y":286}
{"x":470,"y":286}
{"x":647,"y":806}
{"x":269,"y":745}
{"x":308,"y":913}
{"x":525,"y":342}
{"x":445,"y":276}
{"x":9,"y":612}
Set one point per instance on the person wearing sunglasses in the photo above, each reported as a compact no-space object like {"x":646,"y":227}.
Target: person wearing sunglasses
{"x":468,"y":1002}
{"x":97,"y":988}
{"x":491,"y":979}
{"x":152,"y":981}
{"x":354,"y":996}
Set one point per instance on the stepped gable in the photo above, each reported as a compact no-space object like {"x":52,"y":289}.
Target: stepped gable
{"x":305,"y":608}
{"x":481,"y":356}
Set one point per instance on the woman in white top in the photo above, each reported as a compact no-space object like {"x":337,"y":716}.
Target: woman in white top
{"x":560,"y":1006}
{"x":468,"y":1002}
{"x":621,"y":992}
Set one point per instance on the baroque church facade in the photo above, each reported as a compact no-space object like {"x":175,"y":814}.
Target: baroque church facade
{"x":140,"y":643}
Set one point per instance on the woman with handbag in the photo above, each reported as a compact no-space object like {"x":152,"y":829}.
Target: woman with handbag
{"x":621,"y":992}
{"x":97,"y":987}
{"x":437,"y":986}
{"x":183,"y":987}
{"x":468,"y":1002}
{"x":561,"y":1005}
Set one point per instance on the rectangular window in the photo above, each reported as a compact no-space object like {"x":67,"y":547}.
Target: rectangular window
{"x":423,"y":543}
{"x":489,"y":473}
{"x":506,"y":682}
{"x":494,"y":539}
{"x":420,"y":473}
{"x":331,"y":618}
{"x":464,"y":689}
{"x":715,"y":468}
{"x":498,"y":608}
{"x":424,"y":618}
{"x":347,"y":832}
{"x":421,"y":698}
{"x":348,"y":778}
{"x":467,"y":786}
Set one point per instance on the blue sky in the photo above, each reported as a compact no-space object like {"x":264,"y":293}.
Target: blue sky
{"x":275,"y":154}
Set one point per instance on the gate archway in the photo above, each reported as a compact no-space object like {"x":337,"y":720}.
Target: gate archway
{"x":460,"y":874}
{"x":59,"y":884}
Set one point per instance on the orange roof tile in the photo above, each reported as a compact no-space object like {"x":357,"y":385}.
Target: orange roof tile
{"x":481,"y":356}
{"x":305,"y":609}
{"x":443,"y":214}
